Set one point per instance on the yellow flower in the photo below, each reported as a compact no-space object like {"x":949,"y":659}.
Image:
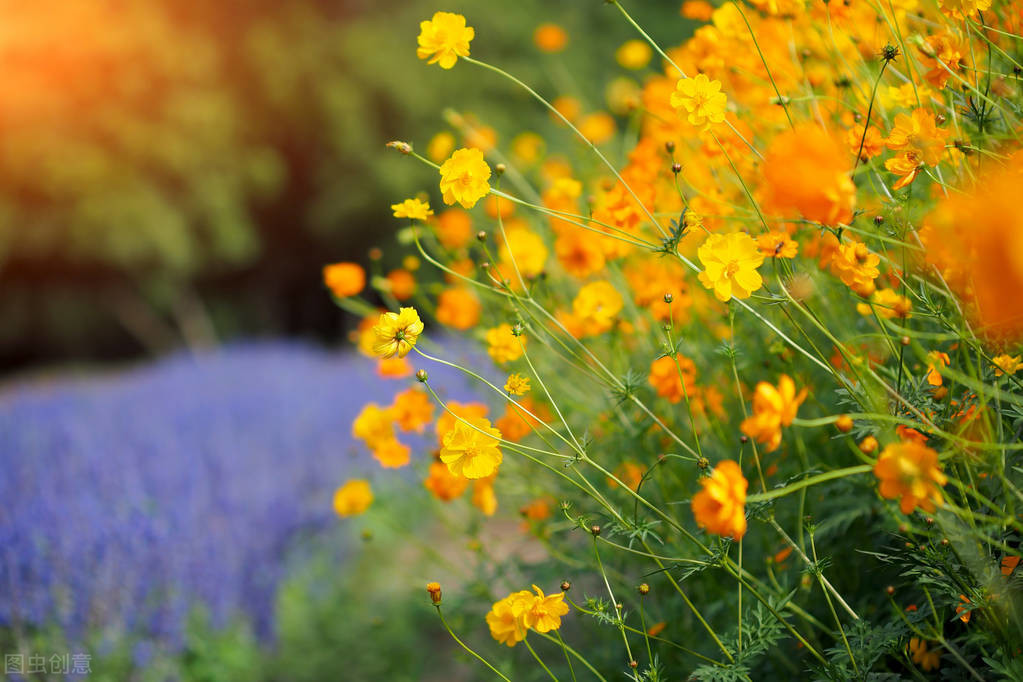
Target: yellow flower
{"x":701,"y":99}
{"x":503,"y":345}
{"x":396,"y":333}
{"x":440,"y":146}
{"x":528,"y":252}
{"x":353,"y":498}
{"x":444,"y":38}
{"x":596,"y":306}
{"x":909,"y":471}
{"x":373,"y":425}
{"x":721,"y":506}
{"x":391,"y":454}
{"x":634,"y":54}
{"x":1006,"y":364}
{"x":928,"y":660}
{"x":888,"y":304}
{"x":517,"y":384}
{"x":413,"y":209}
{"x":471,"y":449}
{"x":773,"y":408}
{"x":506,"y":618}
{"x":730,"y":263}
{"x":545,"y":612}
{"x":463,"y":178}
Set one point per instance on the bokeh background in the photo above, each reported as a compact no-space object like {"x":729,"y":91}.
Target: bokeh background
{"x":176,"y":403}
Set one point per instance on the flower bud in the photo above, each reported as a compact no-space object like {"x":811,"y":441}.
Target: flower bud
{"x":890,"y":590}
{"x":500,"y":169}
{"x":422,"y":376}
{"x":595,"y":530}
{"x":676,"y":168}
{"x":668,"y":298}
{"x":643,"y":589}
{"x":481,"y":236}
{"x":403,"y":147}
{"x":434,"y":590}
{"x":565,"y":586}
{"x":844,"y":423}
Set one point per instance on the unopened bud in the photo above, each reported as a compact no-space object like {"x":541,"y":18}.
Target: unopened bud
{"x":643,"y":589}
{"x":669,"y":146}
{"x":565,"y":586}
{"x":668,"y":298}
{"x":434,"y":590}
{"x":595,"y":530}
{"x":844,"y":423}
{"x":676,"y":168}
{"x":500,"y":169}
{"x":890,"y":590}
{"x":481,"y":236}
{"x":422,"y":376}
{"x":403,"y":147}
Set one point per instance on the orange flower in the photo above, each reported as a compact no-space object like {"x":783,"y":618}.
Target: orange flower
{"x":918,"y":133}
{"x":443,"y":484}
{"x":720,"y":506}
{"x":515,"y":424}
{"x":393,"y":368}
{"x":773,"y":408}
{"x":670,"y":380}
{"x":454,"y":228}
{"x":807,"y":172}
{"x":391,"y":454}
{"x":344,"y":279}
{"x":458,"y":307}
{"x":928,"y":660}
{"x":412,"y":410}
{"x":934,"y":360}
{"x":777,"y":245}
{"x":910,"y":471}
{"x":550,"y":38}
{"x":401,"y":284}
{"x":483,"y":497}
{"x":596,"y":306}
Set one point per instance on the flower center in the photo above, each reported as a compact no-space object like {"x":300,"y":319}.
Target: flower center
{"x":731,"y":268}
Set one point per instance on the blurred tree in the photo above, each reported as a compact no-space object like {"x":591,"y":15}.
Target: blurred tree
{"x":176,"y":170}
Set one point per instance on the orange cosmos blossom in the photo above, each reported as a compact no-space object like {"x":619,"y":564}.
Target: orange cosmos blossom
{"x":909,"y":471}
{"x":344,"y":279}
{"x":773,"y":408}
{"x":673,"y":381}
{"x":720,"y":506}
{"x":458,"y":308}
{"x":806,"y":171}
{"x":444,"y":38}
{"x":412,"y":410}
{"x":443,"y":484}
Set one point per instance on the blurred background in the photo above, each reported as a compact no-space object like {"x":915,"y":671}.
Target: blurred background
{"x":175,"y":411}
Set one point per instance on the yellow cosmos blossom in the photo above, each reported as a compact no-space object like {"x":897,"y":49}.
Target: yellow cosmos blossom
{"x":517,"y":384}
{"x":721,"y":506}
{"x":730,"y":263}
{"x":700,"y":100}
{"x":545,"y":612}
{"x":506,"y":618}
{"x":396,"y":333}
{"x":464,"y":178}
{"x":527,"y":250}
{"x":503,"y":345}
{"x":444,"y":38}
{"x":373,"y":425}
{"x":353,"y":498}
{"x":1006,"y":364}
{"x":413,"y":209}
{"x":888,"y":304}
{"x":471,"y":449}
{"x":909,"y":471}
{"x":634,"y":54}
{"x":440,"y":146}
{"x":596,"y":306}
{"x":773,"y":408}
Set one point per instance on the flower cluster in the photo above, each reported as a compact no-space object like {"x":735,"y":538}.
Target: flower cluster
{"x":818,"y":192}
